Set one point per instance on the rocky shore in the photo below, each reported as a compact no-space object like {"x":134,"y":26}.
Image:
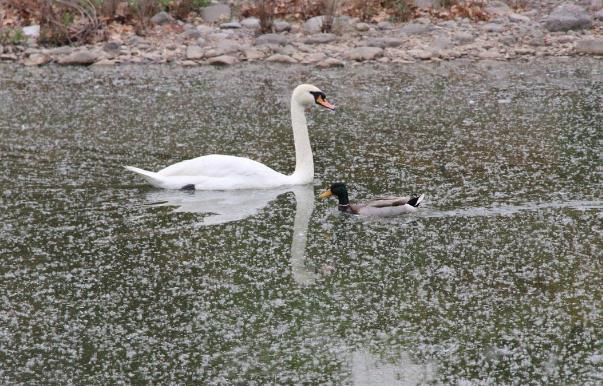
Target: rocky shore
{"x":553,"y":28}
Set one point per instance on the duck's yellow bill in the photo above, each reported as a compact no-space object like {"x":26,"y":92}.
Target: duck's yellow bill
{"x":327,"y":193}
{"x":323,"y":102}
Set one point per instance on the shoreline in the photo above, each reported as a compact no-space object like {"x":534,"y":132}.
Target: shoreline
{"x":507,"y":35}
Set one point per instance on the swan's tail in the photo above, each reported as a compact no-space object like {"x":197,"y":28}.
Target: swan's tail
{"x":152,"y":178}
{"x":415,"y":201}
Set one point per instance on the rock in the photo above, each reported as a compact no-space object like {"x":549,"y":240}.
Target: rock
{"x":228,"y":47}
{"x":489,"y":54}
{"x":188,"y":63}
{"x":287,"y":50}
{"x":599,"y":15}
{"x":314,"y":58}
{"x":596,"y":4}
{"x":517,"y":18}
{"x":33,"y":31}
{"x":279,"y":58}
{"x":192,"y":34}
{"x":64,"y":50}
{"x":231,"y":25}
{"x":320,"y":38}
{"x":463,"y":38}
{"x":78,"y":58}
{"x":252,"y":54}
{"x":11,"y":57}
{"x":441,"y":42}
{"x":563,"y":39}
{"x":111,"y":46}
{"x":215,"y":13}
{"x":414,"y":29}
{"x":162,"y":18}
{"x":592,"y":46}
{"x":498,"y":8}
{"x":525,"y":51}
{"x":426,"y":4}
{"x":251,"y":23}
{"x":223,"y":60}
{"x":104,"y":63}
{"x":364,"y":53}
{"x":492,"y":27}
{"x":313,"y":25}
{"x":537,"y":39}
{"x":384,"y":25}
{"x":508,"y":40}
{"x":362,"y":27}
{"x":418,"y":53}
{"x":271,"y":39}
{"x":567,"y":17}
{"x":383,"y":42}
{"x":281,"y":26}
{"x":330,"y":62}
{"x":36,"y":60}
{"x":194,"y":52}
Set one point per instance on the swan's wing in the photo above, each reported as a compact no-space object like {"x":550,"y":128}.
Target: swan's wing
{"x":217,"y":165}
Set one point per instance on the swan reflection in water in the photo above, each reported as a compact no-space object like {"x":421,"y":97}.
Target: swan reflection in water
{"x":227,"y":206}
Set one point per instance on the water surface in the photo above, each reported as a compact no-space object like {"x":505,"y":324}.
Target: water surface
{"x":105,"y":280}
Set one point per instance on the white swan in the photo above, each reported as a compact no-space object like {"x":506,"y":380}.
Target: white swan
{"x":225,"y":172}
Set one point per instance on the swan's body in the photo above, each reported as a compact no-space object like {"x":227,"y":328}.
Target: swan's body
{"x":225,"y":172}
{"x":379,"y":207}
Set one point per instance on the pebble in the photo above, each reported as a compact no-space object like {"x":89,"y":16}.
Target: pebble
{"x":567,"y":17}
{"x":223,"y":60}
{"x":590,"y":46}
{"x":78,"y":58}
{"x":215,"y":13}
{"x":277,"y":39}
{"x":281,"y":26}
{"x":36,"y":60}
{"x":194,"y":52}
{"x":230,"y":25}
{"x":330,"y":62}
{"x":279,"y":58}
{"x":320,"y":38}
{"x":364,"y":53}
{"x":362,"y":27}
{"x":251,"y":23}
{"x":419,"y":53}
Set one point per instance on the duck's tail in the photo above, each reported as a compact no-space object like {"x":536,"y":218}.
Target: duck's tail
{"x":416,"y":201}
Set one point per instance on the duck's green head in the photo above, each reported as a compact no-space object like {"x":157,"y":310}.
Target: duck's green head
{"x":338,"y":189}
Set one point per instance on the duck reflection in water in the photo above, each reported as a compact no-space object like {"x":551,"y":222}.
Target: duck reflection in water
{"x":227,"y":206}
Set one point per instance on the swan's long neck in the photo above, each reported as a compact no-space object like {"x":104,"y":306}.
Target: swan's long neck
{"x":304,"y":163}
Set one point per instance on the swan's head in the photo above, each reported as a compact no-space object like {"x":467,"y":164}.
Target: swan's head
{"x":307,"y":95}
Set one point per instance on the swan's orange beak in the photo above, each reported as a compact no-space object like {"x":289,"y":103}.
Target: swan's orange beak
{"x":327,"y":193}
{"x":323,"y":102}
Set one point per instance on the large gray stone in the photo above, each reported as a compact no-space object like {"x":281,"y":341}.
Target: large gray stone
{"x":493,"y":27}
{"x":271,"y":39}
{"x":78,"y":58}
{"x":162,"y":18}
{"x":414,"y":29}
{"x":223,"y":60}
{"x":215,"y":13}
{"x":194,"y":52}
{"x":320,"y":38}
{"x":567,"y":17}
{"x":281,"y":26}
{"x":280,"y":58}
{"x":590,"y":46}
{"x":463,"y":37}
{"x":384,"y":42}
{"x":599,"y":15}
{"x":498,"y":8}
{"x":36,"y":59}
{"x":362,"y":27}
{"x":251,"y":23}
{"x":426,"y":4}
{"x":364,"y":53}
{"x":313,"y":25}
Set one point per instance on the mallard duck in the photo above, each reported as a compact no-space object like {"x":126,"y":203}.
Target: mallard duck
{"x":380,"y":207}
{"x":226,"y":172}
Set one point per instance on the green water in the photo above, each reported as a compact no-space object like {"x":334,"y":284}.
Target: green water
{"x":497,"y":280}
